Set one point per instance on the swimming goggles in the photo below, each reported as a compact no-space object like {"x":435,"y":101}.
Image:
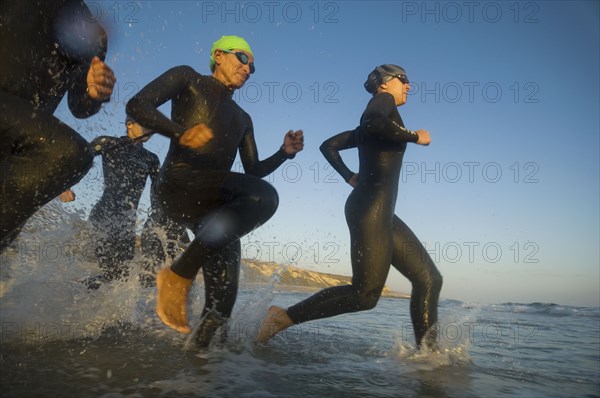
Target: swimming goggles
{"x":402,"y":78}
{"x":243,"y":58}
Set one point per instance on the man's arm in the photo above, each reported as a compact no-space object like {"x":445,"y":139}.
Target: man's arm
{"x":93,"y":83}
{"x":143,"y":107}
{"x":98,"y":145}
{"x":80,"y":103}
{"x":293,"y":143}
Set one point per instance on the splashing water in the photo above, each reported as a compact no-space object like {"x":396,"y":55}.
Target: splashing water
{"x":61,"y":339}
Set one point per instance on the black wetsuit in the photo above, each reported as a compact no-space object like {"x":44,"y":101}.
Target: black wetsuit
{"x":126,"y":165}
{"x":378,"y":237}
{"x":40,"y":156}
{"x":198,"y":189}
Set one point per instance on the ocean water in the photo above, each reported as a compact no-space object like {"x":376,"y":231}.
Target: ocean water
{"x":59,"y":339}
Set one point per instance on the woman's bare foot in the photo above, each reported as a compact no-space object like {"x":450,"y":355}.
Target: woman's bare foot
{"x":277,"y":320}
{"x":172,"y":299}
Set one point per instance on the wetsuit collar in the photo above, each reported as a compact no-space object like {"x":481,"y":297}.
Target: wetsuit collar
{"x":132,"y":140}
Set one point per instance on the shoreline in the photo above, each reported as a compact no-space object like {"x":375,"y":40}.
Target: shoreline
{"x":313,"y":289}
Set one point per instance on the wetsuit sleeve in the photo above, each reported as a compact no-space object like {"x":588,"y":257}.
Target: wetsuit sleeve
{"x":377,"y":120}
{"x":100,"y":145}
{"x":143,"y":107}
{"x":249,"y":155}
{"x":80,"y":103}
{"x":331,"y":148}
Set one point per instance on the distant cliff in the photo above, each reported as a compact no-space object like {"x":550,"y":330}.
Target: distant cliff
{"x":298,"y":279}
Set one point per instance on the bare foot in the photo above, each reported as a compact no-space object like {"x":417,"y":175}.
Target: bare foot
{"x":277,"y":320}
{"x":171,"y":301}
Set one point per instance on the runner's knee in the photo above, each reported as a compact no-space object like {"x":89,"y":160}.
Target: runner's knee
{"x":264,"y":200}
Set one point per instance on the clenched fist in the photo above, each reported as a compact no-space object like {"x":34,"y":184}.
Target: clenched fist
{"x":100,"y":80}
{"x":197,"y":136}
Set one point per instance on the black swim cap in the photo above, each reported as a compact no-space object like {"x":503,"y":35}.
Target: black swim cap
{"x":382,"y":74}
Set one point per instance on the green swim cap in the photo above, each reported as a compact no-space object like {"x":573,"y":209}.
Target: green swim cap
{"x":228,"y":43}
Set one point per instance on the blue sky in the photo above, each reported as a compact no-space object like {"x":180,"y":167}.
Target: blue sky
{"x":506,"y":198}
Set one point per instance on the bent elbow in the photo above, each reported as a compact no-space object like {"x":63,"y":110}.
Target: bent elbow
{"x":132,"y":106}
{"x":325,"y":148}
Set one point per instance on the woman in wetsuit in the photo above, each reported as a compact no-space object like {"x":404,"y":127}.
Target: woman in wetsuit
{"x":378,"y":237}
{"x":49,"y":48}
{"x":196,"y":186}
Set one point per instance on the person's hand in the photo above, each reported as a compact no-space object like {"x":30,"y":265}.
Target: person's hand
{"x":197,"y":136}
{"x":353,"y":181}
{"x":293,"y":142}
{"x":100,"y":80}
{"x":424,"y":138}
{"x":67,"y":196}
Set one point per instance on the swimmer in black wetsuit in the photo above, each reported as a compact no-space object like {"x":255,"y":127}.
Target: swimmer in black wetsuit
{"x":196,"y":186}
{"x":48,"y":48}
{"x":378,"y":237}
{"x":126,"y":166}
